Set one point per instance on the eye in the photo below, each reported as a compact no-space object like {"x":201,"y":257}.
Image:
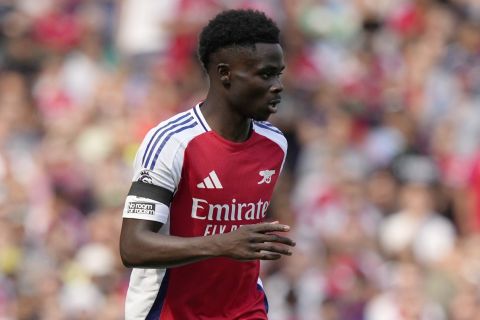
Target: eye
{"x":266,"y":75}
{"x":269,"y":75}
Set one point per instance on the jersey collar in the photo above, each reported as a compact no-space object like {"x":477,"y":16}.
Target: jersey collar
{"x":197,"y":113}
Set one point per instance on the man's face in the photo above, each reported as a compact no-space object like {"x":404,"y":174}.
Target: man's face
{"x":255,"y":84}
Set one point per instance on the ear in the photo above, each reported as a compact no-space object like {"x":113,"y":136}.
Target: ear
{"x":223,"y":71}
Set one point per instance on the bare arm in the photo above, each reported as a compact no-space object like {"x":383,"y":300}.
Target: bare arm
{"x":142,"y":246}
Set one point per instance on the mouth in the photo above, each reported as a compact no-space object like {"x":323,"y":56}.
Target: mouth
{"x":272,"y":105}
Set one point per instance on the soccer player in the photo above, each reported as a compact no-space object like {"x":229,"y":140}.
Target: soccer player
{"x":193,"y":223}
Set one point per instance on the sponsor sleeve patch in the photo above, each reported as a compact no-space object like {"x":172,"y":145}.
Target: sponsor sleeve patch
{"x":146,"y":209}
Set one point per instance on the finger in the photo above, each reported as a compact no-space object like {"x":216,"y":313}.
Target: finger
{"x":270,"y":227}
{"x":280,"y":239}
{"x":271,"y":248}
{"x":267,"y":256}
{"x":261,"y":256}
{"x":273,"y":238}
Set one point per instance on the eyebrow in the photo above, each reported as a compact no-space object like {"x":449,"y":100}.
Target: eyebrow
{"x":270,"y":67}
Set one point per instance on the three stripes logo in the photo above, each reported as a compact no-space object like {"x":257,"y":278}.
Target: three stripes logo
{"x":210,"y":182}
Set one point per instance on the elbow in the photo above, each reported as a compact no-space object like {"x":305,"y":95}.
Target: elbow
{"x":129,"y":255}
{"x":128,"y":258}
{"x":132,"y":257}
{"x":137,"y":246}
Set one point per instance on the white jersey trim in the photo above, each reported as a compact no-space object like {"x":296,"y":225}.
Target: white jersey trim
{"x":201,"y":119}
{"x":142,"y":291}
{"x":144,"y":287}
{"x":272,"y":133}
{"x":159,"y":159}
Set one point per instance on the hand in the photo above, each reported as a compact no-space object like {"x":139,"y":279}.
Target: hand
{"x":256,"y":241}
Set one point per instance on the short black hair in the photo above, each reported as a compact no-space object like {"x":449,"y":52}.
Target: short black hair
{"x":236,"y":28}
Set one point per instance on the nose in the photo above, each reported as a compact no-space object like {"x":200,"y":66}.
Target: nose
{"x":277,"y":86}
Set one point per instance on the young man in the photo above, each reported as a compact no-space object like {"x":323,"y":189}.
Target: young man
{"x":193,"y":221}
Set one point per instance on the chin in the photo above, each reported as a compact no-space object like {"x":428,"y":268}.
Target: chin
{"x":261,"y":117}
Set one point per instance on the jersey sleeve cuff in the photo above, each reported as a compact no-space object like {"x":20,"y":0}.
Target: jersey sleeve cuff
{"x":145,"y":209}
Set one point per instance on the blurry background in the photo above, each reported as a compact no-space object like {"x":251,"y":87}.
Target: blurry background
{"x":382,"y":182}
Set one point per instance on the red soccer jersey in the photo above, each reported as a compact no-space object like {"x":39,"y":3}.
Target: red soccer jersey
{"x":218,"y":186}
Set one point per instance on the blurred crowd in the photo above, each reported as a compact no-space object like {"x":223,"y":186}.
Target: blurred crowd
{"x":381,"y":109}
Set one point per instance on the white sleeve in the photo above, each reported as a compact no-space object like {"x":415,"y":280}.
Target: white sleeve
{"x":159,"y":165}
{"x":156,"y":167}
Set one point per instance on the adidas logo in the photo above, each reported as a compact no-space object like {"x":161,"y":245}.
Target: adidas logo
{"x":210,"y":182}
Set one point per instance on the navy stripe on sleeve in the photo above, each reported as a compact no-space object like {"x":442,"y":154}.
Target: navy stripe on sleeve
{"x":159,"y":150}
{"x":165,"y":127}
{"x":169,"y":129}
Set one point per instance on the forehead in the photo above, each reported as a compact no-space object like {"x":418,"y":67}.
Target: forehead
{"x":259,"y":56}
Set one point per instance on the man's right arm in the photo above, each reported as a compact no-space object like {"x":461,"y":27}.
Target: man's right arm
{"x":142,"y":246}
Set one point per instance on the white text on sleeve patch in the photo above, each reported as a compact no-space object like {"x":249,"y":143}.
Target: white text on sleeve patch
{"x":146,"y":209}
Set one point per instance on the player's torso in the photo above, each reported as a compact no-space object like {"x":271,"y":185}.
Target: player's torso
{"x":224,"y":185}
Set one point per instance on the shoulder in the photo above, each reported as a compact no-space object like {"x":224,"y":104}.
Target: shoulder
{"x":271,"y":132}
{"x":169,"y":136}
{"x":176,"y":124}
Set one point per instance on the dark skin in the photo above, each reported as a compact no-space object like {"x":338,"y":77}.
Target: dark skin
{"x":244,"y":85}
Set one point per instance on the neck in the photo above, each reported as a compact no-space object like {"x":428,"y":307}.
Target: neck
{"x":224,"y":120}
